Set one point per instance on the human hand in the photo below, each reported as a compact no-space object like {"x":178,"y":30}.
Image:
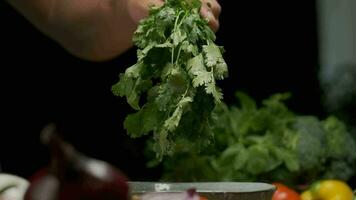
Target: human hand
{"x":138,"y":9}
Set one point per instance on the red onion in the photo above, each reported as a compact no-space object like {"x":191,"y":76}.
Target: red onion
{"x":74,"y":176}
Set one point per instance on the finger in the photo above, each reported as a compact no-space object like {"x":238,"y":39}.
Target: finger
{"x":159,"y":2}
{"x":214,"y":24}
{"x":214,"y":6}
{"x":207,"y":14}
{"x":155,"y":3}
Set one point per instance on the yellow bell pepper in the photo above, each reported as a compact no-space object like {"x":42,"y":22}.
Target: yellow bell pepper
{"x":328,"y":190}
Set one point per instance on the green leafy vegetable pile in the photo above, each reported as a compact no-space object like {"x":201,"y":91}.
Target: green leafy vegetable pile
{"x":267,"y":143}
{"x":173,"y":84}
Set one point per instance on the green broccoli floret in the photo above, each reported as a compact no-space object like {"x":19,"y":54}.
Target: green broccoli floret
{"x":341,"y":150}
{"x":311,"y":142}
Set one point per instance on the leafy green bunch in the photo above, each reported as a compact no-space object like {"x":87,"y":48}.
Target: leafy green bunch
{"x":267,"y":143}
{"x":173,"y":84}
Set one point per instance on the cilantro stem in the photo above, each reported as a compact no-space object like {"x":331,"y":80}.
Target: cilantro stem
{"x":176,"y":21}
{"x":185,"y":93}
{"x":174,"y":30}
{"x":175,"y":27}
{"x":181,"y":21}
{"x":180,"y":48}
{"x":172,"y":57}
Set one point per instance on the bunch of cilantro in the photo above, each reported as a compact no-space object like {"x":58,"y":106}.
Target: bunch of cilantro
{"x":173,"y":86}
{"x":267,"y":143}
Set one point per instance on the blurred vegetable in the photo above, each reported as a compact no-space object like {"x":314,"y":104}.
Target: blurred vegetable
{"x":284,"y":193}
{"x":12,"y":187}
{"x":306,"y":195}
{"x":267,"y":143}
{"x":73,"y":176}
{"x":328,"y":190}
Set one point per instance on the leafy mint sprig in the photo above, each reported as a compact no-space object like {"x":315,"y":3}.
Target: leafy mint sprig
{"x":173,"y":84}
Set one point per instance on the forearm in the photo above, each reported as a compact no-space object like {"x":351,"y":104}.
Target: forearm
{"x":90,"y":29}
{"x":96,"y":29}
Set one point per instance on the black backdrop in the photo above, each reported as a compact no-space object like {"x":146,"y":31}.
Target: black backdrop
{"x":270,"y":47}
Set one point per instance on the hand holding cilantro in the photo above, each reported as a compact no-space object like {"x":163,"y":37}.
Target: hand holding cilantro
{"x":173,"y":84}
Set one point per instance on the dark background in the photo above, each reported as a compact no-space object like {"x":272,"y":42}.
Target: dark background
{"x":270,"y":47}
